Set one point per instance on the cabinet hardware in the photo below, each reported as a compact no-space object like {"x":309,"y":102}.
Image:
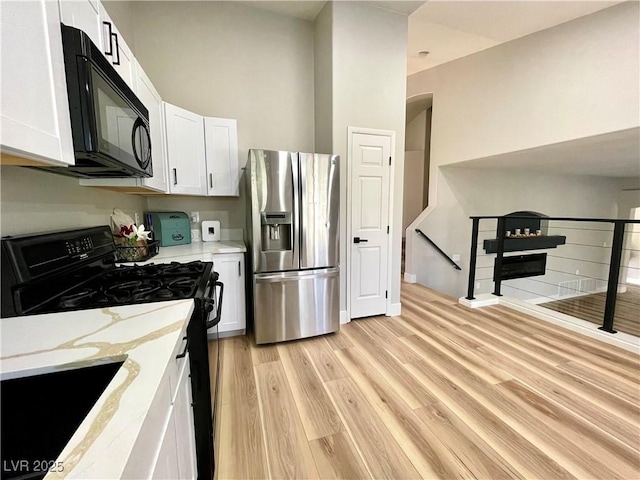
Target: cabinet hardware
{"x":211,"y":180}
{"x":184,"y":352}
{"x":239,"y":272}
{"x":359,"y":240}
{"x":110,"y":51}
{"x":175,"y":176}
{"x":117,"y":62}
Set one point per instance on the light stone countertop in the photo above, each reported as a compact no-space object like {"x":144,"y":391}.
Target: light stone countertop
{"x":144,"y":336}
{"x":187,"y":253}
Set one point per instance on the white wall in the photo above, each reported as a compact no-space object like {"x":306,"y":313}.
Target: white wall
{"x":575,"y":80}
{"x":369,"y":90}
{"x":572,"y":81}
{"x":36,"y":201}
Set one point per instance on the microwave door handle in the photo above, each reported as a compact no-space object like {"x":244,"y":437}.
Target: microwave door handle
{"x":110,"y":38}
{"x":117,"y":61}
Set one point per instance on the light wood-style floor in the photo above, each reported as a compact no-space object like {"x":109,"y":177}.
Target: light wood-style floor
{"x":591,"y":308}
{"x":441,"y":392}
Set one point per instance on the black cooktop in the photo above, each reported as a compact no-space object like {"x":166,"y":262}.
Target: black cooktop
{"x":127,"y":285}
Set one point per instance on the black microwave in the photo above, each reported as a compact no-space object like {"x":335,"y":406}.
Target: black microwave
{"x":109,"y":124}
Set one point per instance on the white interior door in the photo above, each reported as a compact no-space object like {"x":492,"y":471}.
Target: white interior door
{"x":370,"y":176}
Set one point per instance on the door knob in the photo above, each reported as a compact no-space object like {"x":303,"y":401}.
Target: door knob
{"x":359,"y":240}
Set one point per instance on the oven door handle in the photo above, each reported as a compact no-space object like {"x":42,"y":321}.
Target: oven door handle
{"x":216,"y":319}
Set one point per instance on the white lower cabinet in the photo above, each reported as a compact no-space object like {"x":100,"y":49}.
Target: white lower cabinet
{"x":230,"y":266}
{"x":34,"y":108}
{"x":177,"y":454}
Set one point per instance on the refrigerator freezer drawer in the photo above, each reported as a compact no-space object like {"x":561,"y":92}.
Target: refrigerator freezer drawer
{"x":292,"y":305}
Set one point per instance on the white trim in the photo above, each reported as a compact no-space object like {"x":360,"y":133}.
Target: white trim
{"x":394,"y":310}
{"x":344,"y":317}
{"x":620,"y":339}
{"x":410,"y":277}
{"x":384,"y":133}
{"x":483,"y":300}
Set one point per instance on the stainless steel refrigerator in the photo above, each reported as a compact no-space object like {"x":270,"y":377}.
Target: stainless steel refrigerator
{"x":293,"y":233}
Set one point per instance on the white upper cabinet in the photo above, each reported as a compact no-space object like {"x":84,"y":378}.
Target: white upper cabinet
{"x":115,"y":49}
{"x":84,"y":15}
{"x":34,"y":106}
{"x":221,"y":142}
{"x":185,"y":151}
{"x":151,"y":99}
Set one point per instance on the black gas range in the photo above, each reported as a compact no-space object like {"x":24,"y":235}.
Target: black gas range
{"x":76,"y":270}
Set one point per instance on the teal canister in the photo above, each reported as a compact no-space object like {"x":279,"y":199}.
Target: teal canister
{"x":170,"y":228}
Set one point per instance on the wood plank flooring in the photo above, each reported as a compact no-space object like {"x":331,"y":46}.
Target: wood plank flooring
{"x":442,"y":391}
{"x":591,"y":308}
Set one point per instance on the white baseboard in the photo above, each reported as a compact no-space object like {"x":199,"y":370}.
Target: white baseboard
{"x":394,"y":310}
{"x":483,"y":300}
{"x":344,"y":318}
{"x":410,"y":277}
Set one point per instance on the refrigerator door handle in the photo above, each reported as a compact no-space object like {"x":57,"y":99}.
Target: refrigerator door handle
{"x":295,"y":275}
{"x":296,"y":215}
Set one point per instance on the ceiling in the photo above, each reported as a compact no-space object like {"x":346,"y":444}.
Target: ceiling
{"x":450,"y":29}
{"x":309,"y":9}
{"x":577,"y":157}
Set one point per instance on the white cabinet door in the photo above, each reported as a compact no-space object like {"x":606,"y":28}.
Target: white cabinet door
{"x":230,"y":266}
{"x":177,"y":454}
{"x":35,"y":110}
{"x":116,"y":49}
{"x":221,"y":140}
{"x":151,"y":98}
{"x":185,"y":432}
{"x":185,"y":151}
{"x":83,"y":14}
{"x":166,"y":466}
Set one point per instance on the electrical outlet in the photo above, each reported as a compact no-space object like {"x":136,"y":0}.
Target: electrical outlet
{"x":577,"y":272}
{"x":478,"y":285}
{"x":455,"y":257}
{"x":195,"y":217}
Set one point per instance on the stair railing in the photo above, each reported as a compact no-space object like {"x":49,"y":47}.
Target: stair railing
{"x":438,"y":249}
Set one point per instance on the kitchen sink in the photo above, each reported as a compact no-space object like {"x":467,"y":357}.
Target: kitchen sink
{"x":40,"y":414}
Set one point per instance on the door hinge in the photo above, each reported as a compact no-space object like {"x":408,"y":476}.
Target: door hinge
{"x":389,"y":161}
{"x":386,"y":294}
{"x":387,"y":229}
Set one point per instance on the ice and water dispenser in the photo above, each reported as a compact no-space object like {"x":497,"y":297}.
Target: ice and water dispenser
{"x":277,"y":229}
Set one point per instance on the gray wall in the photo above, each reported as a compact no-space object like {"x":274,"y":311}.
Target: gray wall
{"x":35,"y":201}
